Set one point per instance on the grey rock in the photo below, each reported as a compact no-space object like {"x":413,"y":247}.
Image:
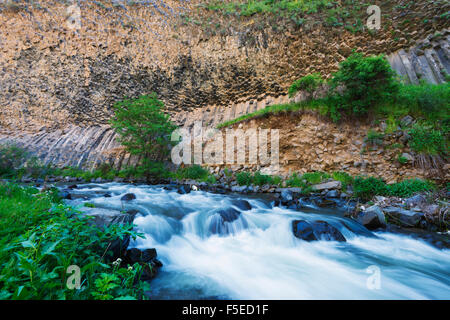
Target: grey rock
{"x":328,"y":185}
{"x":332,"y":194}
{"x":372,"y":218}
{"x":238,"y":188}
{"x":415,"y":201}
{"x":128,"y":197}
{"x":406,"y":121}
{"x":406,"y":218}
{"x":316,"y":230}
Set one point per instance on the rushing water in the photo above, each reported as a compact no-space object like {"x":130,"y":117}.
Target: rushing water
{"x":258,"y":257}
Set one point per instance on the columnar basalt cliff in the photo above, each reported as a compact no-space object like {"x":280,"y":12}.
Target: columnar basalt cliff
{"x":58,"y":83}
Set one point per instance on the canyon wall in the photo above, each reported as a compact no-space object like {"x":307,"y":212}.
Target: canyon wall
{"x":59,"y":83}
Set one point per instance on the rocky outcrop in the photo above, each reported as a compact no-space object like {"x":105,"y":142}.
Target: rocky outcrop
{"x":58,"y":85}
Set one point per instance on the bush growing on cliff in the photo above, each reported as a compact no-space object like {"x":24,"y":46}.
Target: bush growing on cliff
{"x":144,"y":129}
{"x":360,"y":84}
{"x":429,"y":144}
{"x":308,"y":83}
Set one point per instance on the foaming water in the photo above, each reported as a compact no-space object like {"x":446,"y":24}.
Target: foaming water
{"x":212,"y":249}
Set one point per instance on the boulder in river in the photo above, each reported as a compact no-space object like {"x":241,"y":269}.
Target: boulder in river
{"x":316,"y":230}
{"x":224,"y":221}
{"x":128,"y":197}
{"x":244,"y":205}
{"x":184,"y":189}
{"x":65,"y":195}
{"x":372,"y":218}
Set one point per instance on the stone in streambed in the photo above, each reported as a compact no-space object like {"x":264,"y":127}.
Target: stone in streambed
{"x":244,"y":205}
{"x":316,"y":230}
{"x":372,"y":218}
{"x":128,"y":197}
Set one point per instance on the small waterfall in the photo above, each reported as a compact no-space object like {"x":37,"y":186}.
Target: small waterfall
{"x":235,"y":247}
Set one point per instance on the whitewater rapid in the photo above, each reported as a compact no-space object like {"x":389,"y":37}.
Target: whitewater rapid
{"x":258,"y":257}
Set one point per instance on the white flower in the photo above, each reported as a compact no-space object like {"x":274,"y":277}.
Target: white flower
{"x":130,"y":268}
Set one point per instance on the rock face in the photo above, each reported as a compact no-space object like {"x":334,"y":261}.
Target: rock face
{"x":316,"y":230}
{"x":372,"y":218}
{"x":58,"y":85}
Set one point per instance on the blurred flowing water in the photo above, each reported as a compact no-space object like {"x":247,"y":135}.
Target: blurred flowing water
{"x":256,"y":256}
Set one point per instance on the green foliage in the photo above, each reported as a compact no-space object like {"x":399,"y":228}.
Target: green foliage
{"x":315,"y":177}
{"x":308,"y":83}
{"x":244,"y":178}
{"x":409,"y":187}
{"x":374,"y":138}
{"x":401,"y":159}
{"x":252,"y":7}
{"x":344,"y":178}
{"x":194,"y":172}
{"x":16,"y":162}
{"x":426,"y":140}
{"x":262,"y":179}
{"x":41,"y":238}
{"x":360,"y":84}
{"x":144,"y":129}
{"x":367,"y":188}
{"x":431,"y":101}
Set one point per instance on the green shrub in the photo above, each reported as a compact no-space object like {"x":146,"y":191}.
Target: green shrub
{"x":295,"y":181}
{"x":426,"y":140}
{"x":344,"y":178}
{"x":401,"y":159}
{"x":374,"y":138}
{"x":262,"y":179}
{"x":308,"y":83}
{"x":194,"y":172}
{"x":315,"y":177}
{"x":244,"y":178}
{"x":428,"y":100}
{"x":40,"y":239}
{"x":12,"y":157}
{"x":144,"y":129}
{"x":409,"y":187}
{"x":364,"y":81}
{"x":367,"y":188}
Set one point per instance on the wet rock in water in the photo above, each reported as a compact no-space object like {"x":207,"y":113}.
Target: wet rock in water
{"x":239,"y":188}
{"x":229,"y":214}
{"x":63,"y":194}
{"x":286,"y":196}
{"x":303,"y":230}
{"x":322,"y":203}
{"x":406,"y":218}
{"x":128,"y":197}
{"x":184,"y":189}
{"x":222,"y":222}
{"x":135,"y":255}
{"x":107,"y":195}
{"x":316,"y":230}
{"x":73,"y":186}
{"x":372,"y":218}
{"x":242,"y":204}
